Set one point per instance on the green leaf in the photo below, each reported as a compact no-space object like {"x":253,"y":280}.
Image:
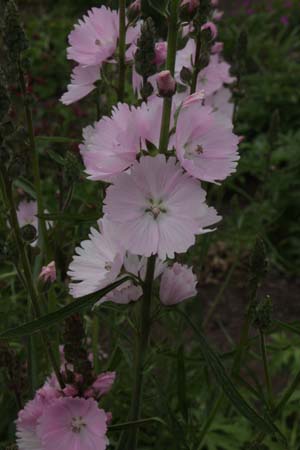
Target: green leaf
{"x":214,"y":362}
{"x":160,"y":6}
{"x":56,"y":157}
{"x":122,"y":426}
{"x":287,"y":327}
{"x":26,"y":185}
{"x":48,"y":320}
{"x":84,"y":217}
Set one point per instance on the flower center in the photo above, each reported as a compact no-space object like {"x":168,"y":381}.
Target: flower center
{"x":77,"y":424}
{"x":155,"y":208}
{"x":191,"y":152}
{"x":107,"y":265}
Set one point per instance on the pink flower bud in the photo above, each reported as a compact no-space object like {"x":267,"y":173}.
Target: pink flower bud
{"x":136,"y":6}
{"x":217,"y":47}
{"x":161,"y":49}
{"x":70,"y":391}
{"x":190,"y":4}
{"x":212,"y":27}
{"x":177,"y":284}
{"x":89,"y":393}
{"x":166,"y":84}
{"x":103,"y":383}
{"x":48,"y":273}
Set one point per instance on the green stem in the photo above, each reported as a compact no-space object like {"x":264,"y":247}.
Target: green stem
{"x":210,"y":420}
{"x":35,"y":165}
{"x":31,"y":288}
{"x":266,"y":367}
{"x":196,"y":64}
{"x":141,"y":348}
{"x":170,"y":65}
{"x":95,"y":342}
{"x":122,"y":46}
{"x":219,"y":294}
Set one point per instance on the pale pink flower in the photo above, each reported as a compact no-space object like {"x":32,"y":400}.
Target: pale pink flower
{"x":166,"y":84}
{"x":148,"y":119}
{"x":73,"y":423}
{"x":94,"y":39}
{"x":184,"y":58}
{"x":48,"y":273}
{"x":212,"y":27}
{"x":97,"y":261}
{"x":213,"y":76}
{"x":129,"y":291}
{"x":178,"y":283}
{"x":28,"y":417}
{"x":205,"y":143}
{"x":157,"y":208}
{"x":27,"y":213}
{"x":111,"y":145}
{"x":82,"y":83}
{"x":221,"y":101}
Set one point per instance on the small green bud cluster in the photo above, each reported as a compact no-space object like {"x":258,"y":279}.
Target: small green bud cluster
{"x":145,"y":55}
{"x":263,"y":314}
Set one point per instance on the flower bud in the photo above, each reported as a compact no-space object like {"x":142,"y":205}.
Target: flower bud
{"x":145,"y":53}
{"x":263,"y":314}
{"x":212,"y":28}
{"x":48,"y":273}
{"x":190,"y":5}
{"x":161,"y":49}
{"x":185,"y":75}
{"x":166,"y":84}
{"x":134,"y":10}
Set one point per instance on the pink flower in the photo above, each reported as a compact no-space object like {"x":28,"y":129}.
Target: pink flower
{"x":48,"y":273}
{"x":94,"y":39}
{"x":97,"y":262}
{"x":161,"y":49}
{"x":191,"y":4}
{"x":205,"y":143}
{"x":166,"y":83}
{"x":217,"y":47}
{"x":111,"y":145}
{"x":148,"y":119}
{"x":27,"y":422}
{"x":221,"y":101}
{"x":212,"y":27}
{"x":82,"y":83}
{"x":213,"y":76}
{"x":157,"y":208}
{"x":73,"y":423}
{"x":178,"y":283}
{"x":27,"y":213}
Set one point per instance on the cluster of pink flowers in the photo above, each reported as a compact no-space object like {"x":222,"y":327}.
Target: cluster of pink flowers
{"x":66,"y":417}
{"x":154,"y":205}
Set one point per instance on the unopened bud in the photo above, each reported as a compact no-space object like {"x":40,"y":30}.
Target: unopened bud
{"x":258,"y":260}
{"x":263,"y":314}
{"x":134,"y":10}
{"x":185,"y":75}
{"x":161,"y":49}
{"x":190,"y":5}
{"x":28,"y":233}
{"x":166,"y":84}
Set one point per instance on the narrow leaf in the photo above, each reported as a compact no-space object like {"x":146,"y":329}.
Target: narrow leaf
{"x":122,"y":426}
{"x":48,"y":320}
{"x":26,"y":185}
{"x":214,"y":362}
{"x":57,"y":139}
